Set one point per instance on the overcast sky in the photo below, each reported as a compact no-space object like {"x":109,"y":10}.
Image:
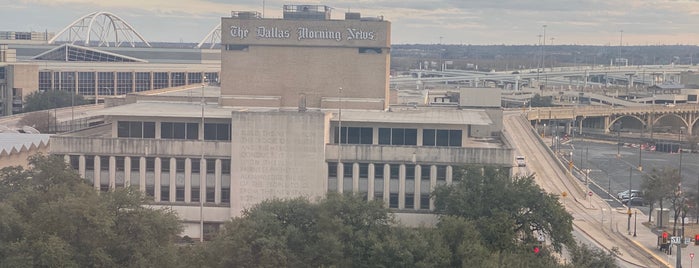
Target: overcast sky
{"x":478,"y":22}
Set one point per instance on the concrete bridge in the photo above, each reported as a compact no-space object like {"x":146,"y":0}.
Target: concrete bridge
{"x":680,"y":119}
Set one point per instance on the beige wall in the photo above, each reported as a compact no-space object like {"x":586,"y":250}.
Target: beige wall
{"x":289,"y":67}
{"x":277,"y":155}
{"x":19,"y":158}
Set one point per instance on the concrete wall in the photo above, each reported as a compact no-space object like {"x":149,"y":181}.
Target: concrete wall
{"x":431,"y":155}
{"x":140,"y":147}
{"x":277,"y":155}
{"x":480,"y":97}
{"x":19,"y":157}
{"x":288,"y":65}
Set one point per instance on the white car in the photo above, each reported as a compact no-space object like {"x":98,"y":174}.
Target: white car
{"x":520,"y":161}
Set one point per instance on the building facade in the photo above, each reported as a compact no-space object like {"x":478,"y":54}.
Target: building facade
{"x":283,"y":129}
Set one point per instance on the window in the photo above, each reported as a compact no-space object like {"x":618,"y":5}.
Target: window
{"x":220,"y":132}
{"x":395,"y":168}
{"x":179,"y":194}
{"x":355,"y":135}
{"x":225,"y":166}
{"x":425,"y":172}
{"x":225,"y":195}
{"x":150,"y":164}
{"x":410,"y":172}
{"x":398,"y":136}
{"x":441,"y":137}
{"x":181,"y":131}
{"x":195,"y":193}
{"x":179,"y":165}
{"x":135,"y":129}
{"x":393,"y":201}
{"x":363,"y":170}
{"x":210,"y":194}
{"x":424,"y":201}
{"x":378,"y":171}
{"x":135,"y":163}
{"x":409,"y":201}
{"x":210,"y":166}
{"x":332,"y":169}
{"x":165,"y":165}
{"x":165,"y":193}
{"x":75,"y":161}
{"x":441,"y":173}
{"x":195,"y":166}
{"x":89,"y":162}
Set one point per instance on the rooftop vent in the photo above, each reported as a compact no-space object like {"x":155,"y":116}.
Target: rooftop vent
{"x":307,"y":12}
{"x":246,"y":14}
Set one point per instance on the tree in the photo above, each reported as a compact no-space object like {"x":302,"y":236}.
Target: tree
{"x":658,"y":185}
{"x":39,"y":100}
{"x":507,"y":211}
{"x":51,"y":217}
{"x":584,"y":256}
{"x":540,"y":101}
{"x":41,"y":121}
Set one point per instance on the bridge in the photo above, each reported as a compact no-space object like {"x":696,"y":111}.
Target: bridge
{"x":680,"y":119}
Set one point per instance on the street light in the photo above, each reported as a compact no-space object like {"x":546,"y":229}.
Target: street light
{"x":635,"y":222}
{"x":617,"y":127}
{"x":202,"y":179}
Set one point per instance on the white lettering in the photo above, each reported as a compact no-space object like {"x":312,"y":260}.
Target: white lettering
{"x":239,"y":32}
{"x":305,"y":33}
{"x":357,"y":34}
{"x":274,"y":32}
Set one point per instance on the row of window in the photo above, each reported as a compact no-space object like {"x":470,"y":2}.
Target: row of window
{"x":166,"y":180}
{"x":173,"y":130}
{"x":399,"y":136}
{"x":124,"y":82}
{"x":394,"y":171}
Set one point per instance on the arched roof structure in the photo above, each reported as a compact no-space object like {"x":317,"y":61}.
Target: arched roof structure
{"x":213,"y":38}
{"x":101,"y":29}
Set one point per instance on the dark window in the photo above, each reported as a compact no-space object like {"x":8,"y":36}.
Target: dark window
{"x":226,"y":166}
{"x":385,"y":136}
{"x":378,"y":196}
{"x":363,"y":170}
{"x":170,"y":130}
{"x":150,"y":190}
{"x":150,"y":164}
{"x":455,"y":138}
{"x":369,"y":50}
{"x":442,"y":137}
{"x":179,"y":194}
{"x":441,"y":173}
{"x":221,"y":132}
{"x":75,"y":161}
{"x":179,"y":165}
{"x":425,"y":172}
{"x":192,"y":131}
{"x":165,"y":165}
{"x":355,"y":135}
{"x":409,"y":201}
{"x":393,"y":201}
{"x":236,"y":47}
{"x":395,"y":168}
{"x":428,"y":137}
{"x":135,"y":129}
{"x":119,"y":163}
{"x":210,"y":194}
{"x":123,"y":129}
{"x":410,"y":136}
{"x":332,"y":169}
{"x":378,"y":171}
{"x":425,"y":201}
{"x":135,"y":163}
{"x":225,"y":195}
{"x":89,"y":162}
{"x":210,"y":166}
{"x":149,"y":130}
{"x":410,"y":172}
{"x":397,"y":136}
{"x":195,"y":194}
{"x":165,"y":193}
{"x":195,"y":166}
{"x":366,"y":135}
{"x":104,"y":163}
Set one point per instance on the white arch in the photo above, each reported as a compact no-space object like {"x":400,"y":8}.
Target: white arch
{"x":106,"y":25}
{"x":214,"y":37}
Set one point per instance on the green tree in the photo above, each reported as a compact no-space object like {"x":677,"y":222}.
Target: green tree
{"x":583,"y":256}
{"x":541,"y":101}
{"x":507,"y":211}
{"x":659,"y":185}
{"x":52,"y":218}
{"x":39,"y":100}
{"x":41,"y":121}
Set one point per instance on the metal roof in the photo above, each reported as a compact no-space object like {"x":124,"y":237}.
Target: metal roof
{"x":17,"y":140}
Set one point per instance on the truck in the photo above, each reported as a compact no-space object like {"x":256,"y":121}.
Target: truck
{"x":520,"y":161}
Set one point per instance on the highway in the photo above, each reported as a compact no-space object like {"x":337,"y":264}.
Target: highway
{"x":593,"y":217}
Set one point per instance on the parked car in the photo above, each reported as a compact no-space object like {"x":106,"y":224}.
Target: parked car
{"x":625,"y":194}
{"x":520,"y":161}
{"x":634,"y":201}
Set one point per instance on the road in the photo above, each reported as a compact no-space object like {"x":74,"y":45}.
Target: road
{"x":591,"y":214}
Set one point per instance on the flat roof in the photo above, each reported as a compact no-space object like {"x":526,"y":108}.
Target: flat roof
{"x":428,"y":115}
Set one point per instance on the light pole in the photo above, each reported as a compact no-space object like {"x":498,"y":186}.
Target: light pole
{"x":640,"y":149}
{"x":72,"y":105}
{"x":617,"y":127}
{"x":628,"y":204}
{"x":202,"y":179}
{"x":635,"y":222}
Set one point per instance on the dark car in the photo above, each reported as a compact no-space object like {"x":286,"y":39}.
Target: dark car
{"x":634,"y":201}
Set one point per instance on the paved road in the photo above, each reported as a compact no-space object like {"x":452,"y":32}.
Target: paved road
{"x":592,"y":215}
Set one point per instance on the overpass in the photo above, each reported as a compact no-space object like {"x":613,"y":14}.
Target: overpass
{"x":653,"y":118}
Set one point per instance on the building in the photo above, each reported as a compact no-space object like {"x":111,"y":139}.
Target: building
{"x":303,"y":110}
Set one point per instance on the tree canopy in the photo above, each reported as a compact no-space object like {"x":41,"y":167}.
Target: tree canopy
{"x":52,"y":218}
{"x":39,"y":100}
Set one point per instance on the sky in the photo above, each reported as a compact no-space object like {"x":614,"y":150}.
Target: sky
{"x":475,"y":22}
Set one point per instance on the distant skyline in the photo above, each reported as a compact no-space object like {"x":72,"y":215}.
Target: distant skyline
{"x":476,"y":22}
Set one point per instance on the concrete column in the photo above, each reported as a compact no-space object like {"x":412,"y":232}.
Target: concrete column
{"x":169,"y":79}
{"x":81,"y":166}
{"x":142,"y":179}
{"x":202,"y":180}
{"x":112,"y":173}
{"x":449,"y":174}
{"x":114,"y":83}
{"x":401,"y":187}
{"x":355,"y":178}
{"x":217,"y":183}
{"x":419,"y":136}
{"x":375,"y":136}
{"x":370,"y":186}
{"x":340,"y":177}
{"x":151,"y":81}
{"x":96,"y":77}
{"x":386,"y":184}
{"x":133,"y":81}
{"x":433,"y":183}
{"x":97,"y":177}
{"x":127,"y":171}
{"x":156,"y":181}
{"x":173,"y":179}
{"x":417,"y":194}
{"x":187,"y":180}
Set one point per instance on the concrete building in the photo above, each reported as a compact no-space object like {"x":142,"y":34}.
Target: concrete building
{"x":282,"y":128}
